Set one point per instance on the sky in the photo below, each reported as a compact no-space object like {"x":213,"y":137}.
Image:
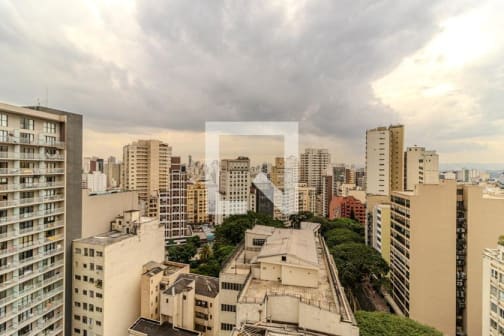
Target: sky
{"x":161,"y":69}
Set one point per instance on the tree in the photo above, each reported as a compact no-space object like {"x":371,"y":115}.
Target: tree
{"x":182,"y":253}
{"x":384,"y":324}
{"x":357,"y":263}
{"x":205,"y":253}
{"x":302,"y":216}
{"x":342,"y":235}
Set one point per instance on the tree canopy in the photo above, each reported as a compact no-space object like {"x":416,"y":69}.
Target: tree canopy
{"x":384,"y":324}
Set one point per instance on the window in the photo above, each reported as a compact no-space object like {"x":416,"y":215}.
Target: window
{"x":227,"y":326}
{"x":228,"y":308}
{"x":232,"y":286}
{"x":4,"y":135}
{"x":284,"y":258}
{"x":28,"y":124}
{"x":49,"y":127}
{"x":201,"y":315}
{"x":3,"y":120}
{"x":199,"y":327}
{"x":258,"y":242}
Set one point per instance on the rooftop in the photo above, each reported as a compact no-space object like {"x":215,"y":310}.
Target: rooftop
{"x":262,"y":229}
{"x":321,"y":296}
{"x":153,"y":328}
{"x":107,"y":238}
{"x":298,"y":243}
{"x":205,"y":285}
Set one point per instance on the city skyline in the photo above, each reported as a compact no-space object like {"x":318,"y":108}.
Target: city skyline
{"x":439,"y":71}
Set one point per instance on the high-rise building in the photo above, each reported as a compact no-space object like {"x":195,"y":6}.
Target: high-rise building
{"x":173,"y":203}
{"x":40,"y":215}
{"x":234,"y":187}
{"x":146,"y":165}
{"x":421,"y":167}
{"x":197,"y":202}
{"x":307,"y":198}
{"x":314,"y":164}
{"x":112,"y":169}
{"x":438,"y":233}
{"x":381,"y":235}
{"x":107,"y":274}
{"x":384,"y":160}
{"x":293,"y":272}
{"x":96,"y":182}
{"x":493,"y":295}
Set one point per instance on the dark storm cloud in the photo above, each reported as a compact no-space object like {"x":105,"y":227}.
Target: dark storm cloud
{"x":220,"y":60}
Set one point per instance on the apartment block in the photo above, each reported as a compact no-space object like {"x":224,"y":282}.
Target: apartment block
{"x":146,"y":165}
{"x":96,"y":182}
{"x":438,"y":233}
{"x":347,"y":207}
{"x":283,"y":280}
{"x":421,"y":167}
{"x":314,"y":164}
{"x":40,"y":212}
{"x":385,"y":160}
{"x":307,"y":198}
{"x":112,"y":169}
{"x":234,"y":187}
{"x":173,"y":203}
{"x":381,"y":235}
{"x":493,"y":290}
{"x":197,"y":202}
{"x":107,"y":274}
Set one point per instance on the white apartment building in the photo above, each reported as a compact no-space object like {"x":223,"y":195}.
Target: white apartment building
{"x":493,"y":291}
{"x":96,"y":182}
{"x":421,"y":167}
{"x":40,"y":168}
{"x":314,"y":164}
{"x":284,"y":279}
{"x":107,"y":271}
{"x":378,"y":161}
{"x":234,"y":187}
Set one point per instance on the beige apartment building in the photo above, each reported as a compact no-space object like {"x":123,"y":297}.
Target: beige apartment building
{"x":171,"y":295}
{"x":381,"y":232}
{"x":197,"y":202}
{"x":493,"y":290}
{"x":234,"y":187}
{"x":146,"y":165}
{"x":107,"y":272}
{"x":40,"y":213}
{"x":307,"y":198}
{"x":286,"y":279}
{"x":438,"y":234}
{"x":421,"y":167}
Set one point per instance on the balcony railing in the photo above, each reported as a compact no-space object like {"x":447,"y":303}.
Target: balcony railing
{"x":31,"y":200}
{"x":31,"y":156}
{"x":33,"y":214}
{"x":31,"y":171}
{"x":24,"y":141}
{"x":24,"y":186}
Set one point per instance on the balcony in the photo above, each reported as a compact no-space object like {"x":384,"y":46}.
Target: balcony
{"x":31,"y":171}
{"x":23,"y":141}
{"x":31,"y":156}
{"x":31,"y":200}
{"x":34,"y":214}
{"x":30,"y":186}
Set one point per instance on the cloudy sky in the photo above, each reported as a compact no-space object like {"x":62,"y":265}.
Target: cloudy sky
{"x":161,"y":69}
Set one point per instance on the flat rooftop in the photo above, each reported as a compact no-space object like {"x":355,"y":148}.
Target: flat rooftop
{"x":322,"y":296}
{"x":153,"y":328}
{"x":104,"y":239}
{"x":298,"y":243}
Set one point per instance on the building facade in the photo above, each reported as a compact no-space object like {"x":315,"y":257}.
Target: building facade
{"x":197,"y":202}
{"x":146,"y":165}
{"x":284,"y":278}
{"x":421,"y":167}
{"x":40,"y":211}
{"x":493,"y":294}
{"x":347,"y":207}
{"x":234,"y":187}
{"x":107,"y":274}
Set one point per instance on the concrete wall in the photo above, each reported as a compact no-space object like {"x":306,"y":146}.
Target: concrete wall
{"x":432,"y":256}
{"x":300,"y":276}
{"x":485,"y":223}
{"x":178,"y":309}
{"x":99,"y":210}
{"x":123,"y":269}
